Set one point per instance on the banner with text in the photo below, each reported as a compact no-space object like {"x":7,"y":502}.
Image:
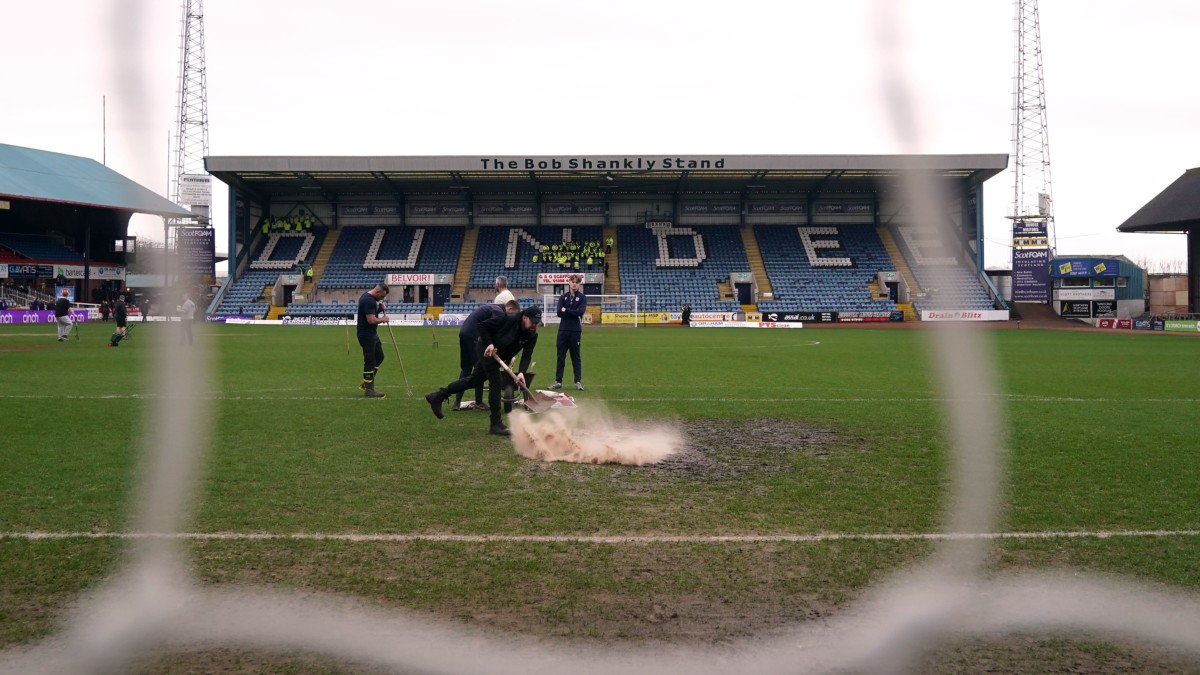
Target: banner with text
{"x":965,"y":315}
{"x":418,"y":279}
{"x":573,"y":209}
{"x":197,"y":251}
{"x":369,"y":209}
{"x":1031,"y":275}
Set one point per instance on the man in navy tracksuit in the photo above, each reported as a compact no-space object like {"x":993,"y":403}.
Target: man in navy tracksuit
{"x":571,"y":307}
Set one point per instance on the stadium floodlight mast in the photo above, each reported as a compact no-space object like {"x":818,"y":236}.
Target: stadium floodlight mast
{"x":1032,"y":210}
{"x":190,"y":184}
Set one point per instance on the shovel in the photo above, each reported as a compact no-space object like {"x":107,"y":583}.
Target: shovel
{"x":535,"y":403}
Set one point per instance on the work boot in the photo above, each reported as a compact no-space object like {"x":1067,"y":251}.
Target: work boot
{"x":498,"y":429}
{"x":369,"y":391}
{"x":435,"y":398}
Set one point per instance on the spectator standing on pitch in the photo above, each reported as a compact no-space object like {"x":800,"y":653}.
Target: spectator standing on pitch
{"x":502,"y":333}
{"x":62,"y":315}
{"x":370,"y":315}
{"x":686,"y":317}
{"x":120,"y":315}
{"x":187,"y":316}
{"x":571,"y":307}
{"x":503,"y":295}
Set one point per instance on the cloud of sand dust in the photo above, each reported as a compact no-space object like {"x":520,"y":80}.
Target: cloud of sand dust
{"x":590,"y":434}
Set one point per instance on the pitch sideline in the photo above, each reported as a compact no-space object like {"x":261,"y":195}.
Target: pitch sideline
{"x":604,"y":539}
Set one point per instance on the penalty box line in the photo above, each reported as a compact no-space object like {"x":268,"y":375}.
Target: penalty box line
{"x":604,"y":539}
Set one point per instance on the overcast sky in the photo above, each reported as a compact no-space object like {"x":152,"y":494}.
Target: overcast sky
{"x":624,"y":77}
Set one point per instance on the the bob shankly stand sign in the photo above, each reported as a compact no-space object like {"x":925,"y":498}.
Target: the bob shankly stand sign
{"x":601,"y":163}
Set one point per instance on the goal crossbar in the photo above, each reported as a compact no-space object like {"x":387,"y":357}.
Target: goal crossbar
{"x":603,"y":310}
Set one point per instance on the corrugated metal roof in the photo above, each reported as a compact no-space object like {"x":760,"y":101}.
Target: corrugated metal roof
{"x":1175,"y":209}
{"x":26,"y":173}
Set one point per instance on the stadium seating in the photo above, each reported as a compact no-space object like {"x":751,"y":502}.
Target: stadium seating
{"x":807,"y":273}
{"x":945,"y":283}
{"x":684,"y":266}
{"x":39,"y":247}
{"x":493,"y":245}
{"x":7,"y":255}
{"x":364,"y":255}
{"x":273,"y":255}
{"x":468,"y":307}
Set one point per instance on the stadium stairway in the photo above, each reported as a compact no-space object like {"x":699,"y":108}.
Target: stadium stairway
{"x":725,"y":290}
{"x":275,"y":312}
{"x":320,"y":261}
{"x":757,"y":267}
{"x":462,"y":272}
{"x":612,"y":281}
{"x":893,"y":251}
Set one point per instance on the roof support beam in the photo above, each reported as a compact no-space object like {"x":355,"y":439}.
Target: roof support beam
{"x":325,"y":191}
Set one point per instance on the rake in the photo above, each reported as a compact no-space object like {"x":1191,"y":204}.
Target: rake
{"x":407,"y":386}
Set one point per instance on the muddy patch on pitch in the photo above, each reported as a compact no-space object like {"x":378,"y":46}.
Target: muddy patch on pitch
{"x":718,"y":450}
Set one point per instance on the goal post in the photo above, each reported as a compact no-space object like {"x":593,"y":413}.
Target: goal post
{"x":603,"y":310}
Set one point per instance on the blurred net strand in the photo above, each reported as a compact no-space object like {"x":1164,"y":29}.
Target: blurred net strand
{"x":153,"y":603}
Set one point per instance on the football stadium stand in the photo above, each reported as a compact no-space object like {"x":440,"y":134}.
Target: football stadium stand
{"x":822,"y":268}
{"x":365,"y":255}
{"x":946,"y":283}
{"x":39,"y":247}
{"x":683,"y":265}
{"x":510,"y":250}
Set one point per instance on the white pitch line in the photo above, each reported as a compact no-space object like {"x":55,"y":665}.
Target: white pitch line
{"x":1015,"y":398}
{"x":605,"y":539}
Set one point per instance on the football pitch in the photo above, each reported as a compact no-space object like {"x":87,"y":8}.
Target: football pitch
{"x":816,"y":464}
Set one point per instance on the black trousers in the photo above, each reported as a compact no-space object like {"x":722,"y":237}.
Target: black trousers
{"x":484,"y":369}
{"x":468,"y":356}
{"x":568,"y":342}
{"x":372,"y":355}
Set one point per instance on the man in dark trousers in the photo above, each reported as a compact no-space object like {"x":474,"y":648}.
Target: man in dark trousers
{"x":571,"y":307}
{"x":502,"y":332}
{"x":120,"y":314}
{"x":370,"y":315}
{"x":468,"y":334}
{"x":62,"y":314}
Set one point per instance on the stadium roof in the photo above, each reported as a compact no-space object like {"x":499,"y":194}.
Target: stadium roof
{"x":1175,"y":209}
{"x":39,"y":175}
{"x":265,"y":178}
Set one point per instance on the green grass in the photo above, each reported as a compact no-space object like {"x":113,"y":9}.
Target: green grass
{"x":1100,"y":429}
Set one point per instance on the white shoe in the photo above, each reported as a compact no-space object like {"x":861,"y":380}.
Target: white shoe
{"x":579,"y":386}
{"x":556,"y":385}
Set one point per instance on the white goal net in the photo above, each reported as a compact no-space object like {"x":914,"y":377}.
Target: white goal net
{"x":603,"y":310}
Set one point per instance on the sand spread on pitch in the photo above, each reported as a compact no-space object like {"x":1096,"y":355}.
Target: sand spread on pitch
{"x":590,"y":434}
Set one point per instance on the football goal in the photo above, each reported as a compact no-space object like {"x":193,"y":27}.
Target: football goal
{"x":603,"y":310}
